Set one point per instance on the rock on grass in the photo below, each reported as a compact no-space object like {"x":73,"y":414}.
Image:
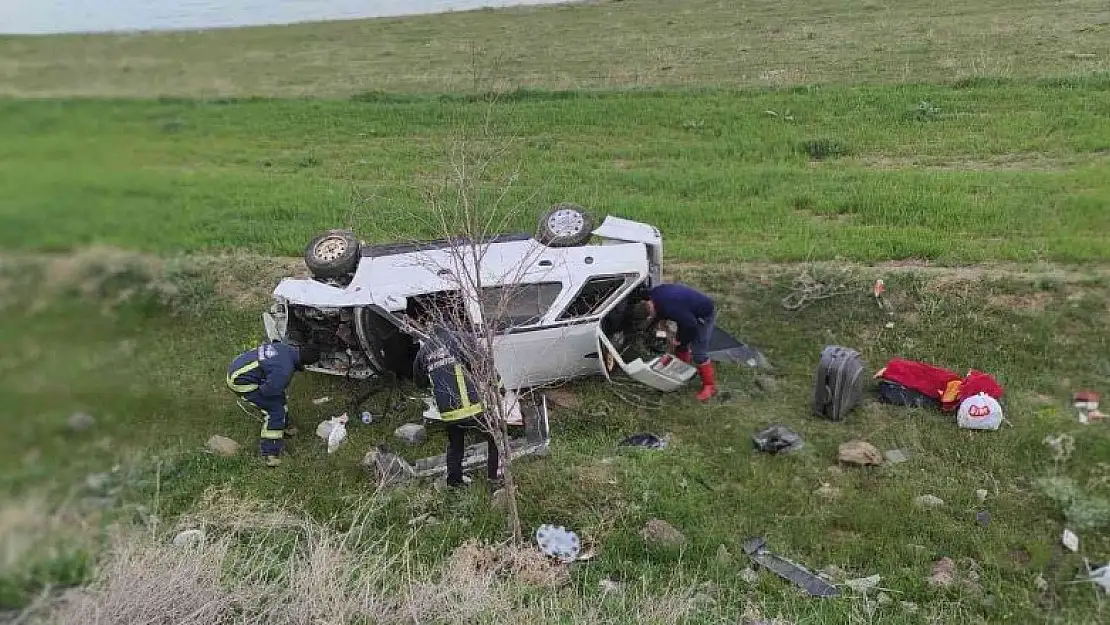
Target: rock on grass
{"x":860,"y":453}
{"x":80,"y":421}
{"x":928,"y":501}
{"x":223,"y":446}
{"x":659,"y":532}
{"x":411,"y":433}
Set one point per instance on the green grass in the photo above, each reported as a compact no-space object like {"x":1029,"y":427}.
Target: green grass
{"x":153,"y":381}
{"x":991,"y":170}
{"x":635,"y":43}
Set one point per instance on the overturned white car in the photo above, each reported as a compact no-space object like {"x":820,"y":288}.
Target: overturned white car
{"x":558,"y":301}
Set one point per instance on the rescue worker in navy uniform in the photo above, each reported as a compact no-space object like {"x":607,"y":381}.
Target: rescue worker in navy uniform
{"x":447,"y":361}
{"x":694,"y":313}
{"x":260,"y":377}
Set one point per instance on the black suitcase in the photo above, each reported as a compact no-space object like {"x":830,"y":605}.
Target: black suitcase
{"x":838,"y":382}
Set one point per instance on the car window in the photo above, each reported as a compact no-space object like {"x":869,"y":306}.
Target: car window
{"x":517,"y":304}
{"x":593,"y":296}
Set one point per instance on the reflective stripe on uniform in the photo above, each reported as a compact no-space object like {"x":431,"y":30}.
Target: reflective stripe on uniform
{"x":272,"y":434}
{"x":242,"y":388}
{"x":462,"y":413}
{"x":464,"y":396}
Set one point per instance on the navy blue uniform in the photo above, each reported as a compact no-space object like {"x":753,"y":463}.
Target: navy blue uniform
{"x":693,"y":312}
{"x":447,"y":361}
{"x":261,"y":376}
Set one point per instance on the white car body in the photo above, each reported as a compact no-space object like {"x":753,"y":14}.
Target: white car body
{"x":565,"y":341}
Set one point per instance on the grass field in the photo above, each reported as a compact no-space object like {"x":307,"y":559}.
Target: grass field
{"x":959,"y":152}
{"x":633,"y":43}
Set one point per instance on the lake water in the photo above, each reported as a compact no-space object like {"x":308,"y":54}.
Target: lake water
{"x":60,"y":16}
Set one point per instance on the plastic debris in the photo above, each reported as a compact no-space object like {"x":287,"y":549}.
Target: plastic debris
{"x":367,"y":418}
{"x":649,"y":441}
{"x":188,"y":538}
{"x":334,"y":431}
{"x":1101,"y":576}
{"x":558,"y":542}
{"x":928,"y":501}
{"x":981,"y":494}
{"x":756,"y":548}
{"x":1070,"y":540}
{"x":979,"y":412}
{"x":321,"y":400}
{"x":777,"y":438}
{"x":1086,"y":402}
{"x":983,"y":518}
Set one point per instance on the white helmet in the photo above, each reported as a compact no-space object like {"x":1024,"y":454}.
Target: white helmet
{"x":980,"y":412}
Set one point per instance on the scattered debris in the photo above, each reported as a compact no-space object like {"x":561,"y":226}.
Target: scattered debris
{"x":411,"y":433}
{"x":928,"y":501}
{"x":1039,"y":583}
{"x":776,"y":438}
{"x":860,"y":453}
{"x":895,"y":456}
{"x":944,"y":573}
{"x":756,"y":548}
{"x":749,"y":576}
{"x":659,"y":532}
{"x":558,"y":542}
{"x":1100,"y":576}
{"x":649,"y":441}
{"x":334,"y":431}
{"x":188,"y":538}
{"x":827,"y":491}
{"x":1062,"y":447}
{"x":981,"y":494}
{"x":885,"y":599}
{"x":979,"y":412}
{"x":1086,"y":402}
{"x":863,"y":585}
{"x":1070,"y":540}
{"x":80,"y":421}
{"x":222,"y":446}
{"x":367,"y":418}
{"x":723,"y":556}
{"x":319,"y":401}
{"x":983,"y":518}
{"x":387,"y":468}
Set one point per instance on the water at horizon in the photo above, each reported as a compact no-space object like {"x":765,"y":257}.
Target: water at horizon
{"x":62,"y":16}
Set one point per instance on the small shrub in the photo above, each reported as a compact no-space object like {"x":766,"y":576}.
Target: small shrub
{"x":822,"y":149}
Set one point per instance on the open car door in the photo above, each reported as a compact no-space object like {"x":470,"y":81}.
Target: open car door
{"x":663,"y":373}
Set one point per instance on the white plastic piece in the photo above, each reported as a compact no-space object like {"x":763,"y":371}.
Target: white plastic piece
{"x":980,"y":412}
{"x":1101,"y":576}
{"x":558,"y":542}
{"x":1070,"y":540}
{"x":334,"y":431}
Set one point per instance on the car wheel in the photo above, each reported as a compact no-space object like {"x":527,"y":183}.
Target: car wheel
{"x":565,"y":225}
{"x":332,"y":254}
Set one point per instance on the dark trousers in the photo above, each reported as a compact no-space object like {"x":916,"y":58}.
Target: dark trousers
{"x":456,"y":446}
{"x":271,"y":441}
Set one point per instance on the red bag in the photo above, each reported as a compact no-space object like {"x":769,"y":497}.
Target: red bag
{"x":945,"y":386}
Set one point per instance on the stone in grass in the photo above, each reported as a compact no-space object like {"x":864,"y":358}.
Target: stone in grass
{"x":659,"y":532}
{"x":860,"y":453}
{"x":223,"y":446}
{"x":80,"y":421}
{"x":928,"y":501}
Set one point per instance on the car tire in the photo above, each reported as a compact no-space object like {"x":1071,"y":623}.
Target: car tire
{"x":332,"y":254}
{"x":565,"y":225}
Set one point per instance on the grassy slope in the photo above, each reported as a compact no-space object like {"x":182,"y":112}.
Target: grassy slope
{"x":1011,"y":169}
{"x":599,"y":44}
{"x":128,"y":359}
{"x":1014,"y":171}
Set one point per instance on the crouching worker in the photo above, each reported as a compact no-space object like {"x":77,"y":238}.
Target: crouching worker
{"x":694,"y":313}
{"x":260,"y":377}
{"x":450,"y":362}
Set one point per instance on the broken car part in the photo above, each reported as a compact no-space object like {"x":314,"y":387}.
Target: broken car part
{"x":756,"y":548}
{"x":558,"y":542}
{"x":777,"y":438}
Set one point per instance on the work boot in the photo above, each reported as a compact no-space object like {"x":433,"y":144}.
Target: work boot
{"x":708,"y":381}
{"x":684,"y":355}
{"x":291,"y":431}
